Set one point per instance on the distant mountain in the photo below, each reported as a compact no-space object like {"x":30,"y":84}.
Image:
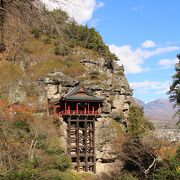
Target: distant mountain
{"x":159,"y":111}
{"x":139,"y":102}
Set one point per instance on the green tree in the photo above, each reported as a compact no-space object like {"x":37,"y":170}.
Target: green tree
{"x":137,"y":124}
{"x":138,"y":151}
{"x":174,"y":92}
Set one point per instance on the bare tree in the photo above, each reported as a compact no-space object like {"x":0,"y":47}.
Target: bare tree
{"x":25,"y":10}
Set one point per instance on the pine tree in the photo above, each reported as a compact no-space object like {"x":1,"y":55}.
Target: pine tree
{"x":174,"y":92}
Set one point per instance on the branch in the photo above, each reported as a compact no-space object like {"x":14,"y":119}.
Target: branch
{"x":153,"y":163}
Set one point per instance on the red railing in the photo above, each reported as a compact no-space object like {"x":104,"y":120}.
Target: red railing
{"x":75,"y":112}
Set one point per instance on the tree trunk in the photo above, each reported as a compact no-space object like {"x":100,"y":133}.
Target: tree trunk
{"x":2,"y":18}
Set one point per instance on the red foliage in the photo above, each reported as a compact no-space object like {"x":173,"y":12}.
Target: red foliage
{"x":15,"y":111}
{"x":19,"y":108}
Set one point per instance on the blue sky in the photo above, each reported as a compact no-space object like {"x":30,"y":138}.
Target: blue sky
{"x":144,"y":34}
{"x":126,"y":24}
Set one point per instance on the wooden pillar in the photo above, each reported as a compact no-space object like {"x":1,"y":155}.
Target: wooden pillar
{"x":76,"y":107}
{"x":77,"y":145}
{"x":84,"y":109}
{"x":92,"y":109}
{"x":69,"y":109}
{"x":69,"y":137}
{"x":86,"y":158}
{"x":88,"y":108}
{"x":65,"y":107}
{"x":94,"y":158}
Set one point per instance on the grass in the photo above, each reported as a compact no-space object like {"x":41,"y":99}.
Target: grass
{"x":41,"y":69}
{"x":48,"y":62}
{"x":9,"y":73}
{"x":86,"y":53}
{"x":38,"y":50}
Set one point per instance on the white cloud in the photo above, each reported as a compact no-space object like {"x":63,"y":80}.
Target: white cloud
{"x":146,"y":87}
{"x":80,"y":10}
{"x":148,"y":44}
{"x":129,"y":58}
{"x":134,"y":59}
{"x":166,"y":63}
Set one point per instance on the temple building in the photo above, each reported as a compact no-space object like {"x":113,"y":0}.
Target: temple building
{"x":79,"y":109}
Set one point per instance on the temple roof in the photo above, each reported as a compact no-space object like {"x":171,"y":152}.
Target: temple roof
{"x":81,"y":93}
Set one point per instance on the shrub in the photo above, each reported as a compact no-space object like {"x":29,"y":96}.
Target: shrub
{"x":61,"y":50}
{"x":26,"y":171}
{"x":47,"y":40}
{"x":60,"y":16}
{"x":36,"y":32}
{"x":84,"y":53}
{"x":109,"y":64}
{"x":23,"y":125}
{"x":54,"y":151}
{"x":57,"y":175}
{"x":127,"y":176}
{"x":94,"y":74}
{"x":58,"y":162}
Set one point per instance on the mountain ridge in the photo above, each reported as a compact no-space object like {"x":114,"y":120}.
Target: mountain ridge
{"x":159,"y":111}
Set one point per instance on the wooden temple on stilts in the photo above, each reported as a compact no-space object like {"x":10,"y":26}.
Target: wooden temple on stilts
{"x":79,"y":109}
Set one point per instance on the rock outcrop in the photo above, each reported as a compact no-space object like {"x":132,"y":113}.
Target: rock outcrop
{"x":112,"y":87}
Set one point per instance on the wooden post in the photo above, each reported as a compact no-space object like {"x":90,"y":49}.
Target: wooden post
{"x":88,"y":108}
{"x":76,"y":107}
{"x":86,"y":158}
{"x":92,"y":109}
{"x":94,"y":158}
{"x":77,"y":146}
{"x":84,"y":109}
{"x":69,"y":137}
{"x":65,"y":107}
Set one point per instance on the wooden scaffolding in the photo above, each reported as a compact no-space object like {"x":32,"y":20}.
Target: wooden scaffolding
{"x":81,"y":142}
{"x":79,"y":108}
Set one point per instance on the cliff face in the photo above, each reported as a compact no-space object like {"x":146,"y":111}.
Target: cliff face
{"x":48,"y":62}
{"x":115,"y":91}
{"x":112,"y":87}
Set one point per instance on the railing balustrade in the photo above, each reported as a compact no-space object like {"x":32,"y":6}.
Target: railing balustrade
{"x":81,"y":112}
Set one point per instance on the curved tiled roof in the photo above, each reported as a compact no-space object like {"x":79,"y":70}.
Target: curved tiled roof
{"x":81,"y":93}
